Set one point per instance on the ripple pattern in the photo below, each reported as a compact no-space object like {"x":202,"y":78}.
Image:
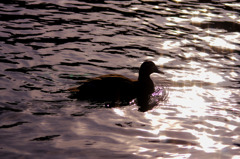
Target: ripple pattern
{"x":47,"y":46}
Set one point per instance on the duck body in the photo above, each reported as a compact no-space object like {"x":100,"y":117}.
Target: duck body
{"x":117,"y":88}
{"x":111,"y":87}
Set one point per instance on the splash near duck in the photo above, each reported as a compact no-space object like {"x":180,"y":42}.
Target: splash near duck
{"x":115,"y":88}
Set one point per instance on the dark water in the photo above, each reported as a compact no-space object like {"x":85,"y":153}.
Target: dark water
{"x":47,"y":46}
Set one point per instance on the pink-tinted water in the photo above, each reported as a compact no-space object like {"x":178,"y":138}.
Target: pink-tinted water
{"x":47,"y":46}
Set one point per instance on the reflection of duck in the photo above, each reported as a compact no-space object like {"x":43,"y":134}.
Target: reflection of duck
{"x":117,"y":88}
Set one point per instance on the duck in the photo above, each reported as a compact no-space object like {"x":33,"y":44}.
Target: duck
{"x":115,"y":88}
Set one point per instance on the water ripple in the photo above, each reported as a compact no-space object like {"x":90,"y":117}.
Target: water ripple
{"x":48,"y":46}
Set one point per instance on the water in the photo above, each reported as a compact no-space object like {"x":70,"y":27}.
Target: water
{"x":48,"y":46}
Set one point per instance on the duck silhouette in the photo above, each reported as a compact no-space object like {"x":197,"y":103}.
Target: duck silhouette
{"x":115,"y":88}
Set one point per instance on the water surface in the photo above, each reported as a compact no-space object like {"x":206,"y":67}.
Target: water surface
{"x":47,"y":46}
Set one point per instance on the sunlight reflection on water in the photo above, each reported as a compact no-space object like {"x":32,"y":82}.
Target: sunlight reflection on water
{"x":195,"y":103}
{"x":48,"y":45}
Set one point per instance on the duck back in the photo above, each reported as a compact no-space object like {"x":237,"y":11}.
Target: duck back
{"x":112,"y":87}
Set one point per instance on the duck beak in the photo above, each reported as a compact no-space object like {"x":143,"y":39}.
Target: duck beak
{"x":158,"y":71}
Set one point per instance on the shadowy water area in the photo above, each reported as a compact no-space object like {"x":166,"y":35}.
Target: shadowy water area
{"x":48,"y":46}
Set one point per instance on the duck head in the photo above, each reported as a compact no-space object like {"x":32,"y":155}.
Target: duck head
{"x":147,"y":68}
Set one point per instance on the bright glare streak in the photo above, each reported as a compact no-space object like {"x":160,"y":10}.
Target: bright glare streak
{"x":195,"y":12}
{"x":221,"y":43}
{"x":218,"y":42}
{"x":233,"y":16}
{"x":169,"y":44}
{"x":234,"y":74}
{"x":233,"y":37}
{"x":194,"y":54}
{"x":208,"y":144}
{"x":185,"y":41}
{"x":141,"y":150}
{"x":232,"y":4}
{"x":210,"y":14}
{"x":204,"y":10}
{"x":200,"y":74}
{"x":176,"y":32}
{"x":197,"y":20}
{"x":177,"y":156}
{"x":163,"y":60}
{"x":178,"y":0}
{"x":119,"y":112}
{"x":221,"y":95}
{"x":135,"y":8}
{"x":176,"y":19}
{"x":191,"y":102}
{"x":194,"y":64}
{"x":221,"y":124}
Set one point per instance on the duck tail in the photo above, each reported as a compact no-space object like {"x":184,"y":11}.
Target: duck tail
{"x":74,"y":92}
{"x":73,"y":89}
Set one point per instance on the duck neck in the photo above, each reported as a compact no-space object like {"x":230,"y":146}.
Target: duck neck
{"x":144,"y":77}
{"x":145,"y":84}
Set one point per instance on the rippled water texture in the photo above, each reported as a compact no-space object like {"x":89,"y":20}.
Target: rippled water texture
{"x":47,"y":46}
